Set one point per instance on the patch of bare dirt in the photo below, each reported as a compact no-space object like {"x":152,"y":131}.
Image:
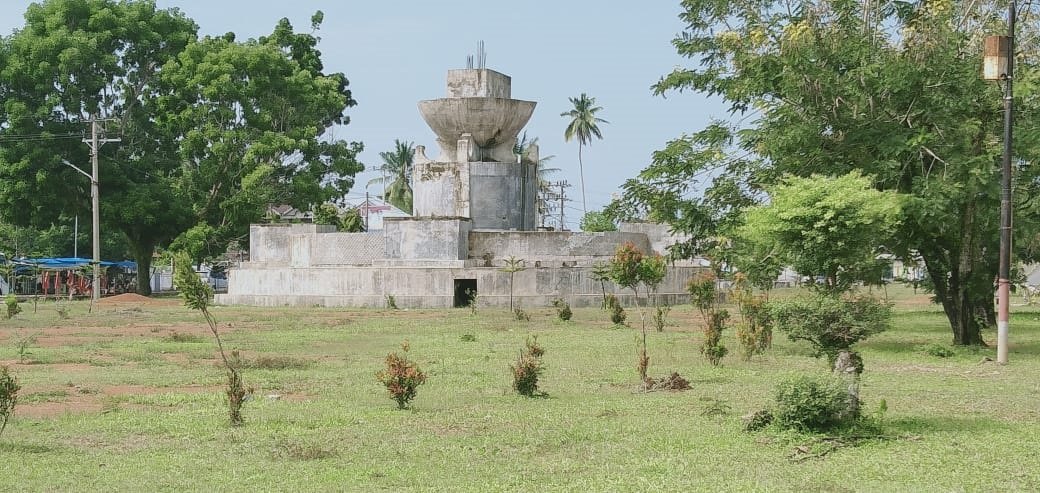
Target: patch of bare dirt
{"x":72,"y":404}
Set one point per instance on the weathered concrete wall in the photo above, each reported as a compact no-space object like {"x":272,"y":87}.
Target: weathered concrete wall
{"x":496,"y":195}
{"x":550,"y":245}
{"x":427,"y":238}
{"x":272,"y":242}
{"x":440,"y":189}
{"x":347,"y":248}
{"x":502,"y":195}
{"x":659,"y":235}
{"x":491,"y":122}
{"x":478,"y":83}
{"x":428,"y":287}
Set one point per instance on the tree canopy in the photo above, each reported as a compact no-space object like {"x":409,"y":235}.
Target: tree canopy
{"x":889,"y":88}
{"x":831,"y":227}
{"x":213,"y":129}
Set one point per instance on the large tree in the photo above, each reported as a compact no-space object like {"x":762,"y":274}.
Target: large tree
{"x":583,"y":126}
{"x":889,"y":88}
{"x":212,"y":129}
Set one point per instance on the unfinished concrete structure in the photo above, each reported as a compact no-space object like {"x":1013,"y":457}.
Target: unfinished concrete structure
{"x":474,"y":207}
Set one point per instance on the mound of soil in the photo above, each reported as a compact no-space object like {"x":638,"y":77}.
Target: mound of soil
{"x":672,"y":382}
{"x":133,"y":299}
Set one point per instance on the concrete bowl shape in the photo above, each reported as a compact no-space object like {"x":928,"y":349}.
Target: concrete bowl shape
{"x":490,"y":120}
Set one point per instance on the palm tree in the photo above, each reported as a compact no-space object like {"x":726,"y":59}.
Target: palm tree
{"x":397,"y":166}
{"x":583,"y":125}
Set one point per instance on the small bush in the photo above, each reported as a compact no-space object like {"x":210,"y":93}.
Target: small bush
{"x":755,"y":331}
{"x":704,"y":295}
{"x":8,"y":396}
{"x":528,"y":369}
{"x":617,"y":312}
{"x":12,"y":306}
{"x":712,"y":348}
{"x":520,"y":315}
{"x":563,"y":309}
{"x":830,"y":324}
{"x":757,"y":420}
{"x":183,"y":337}
{"x":63,"y":310}
{"x":660,"y":316}
{"x":401,"y":377}
{"x":468,"y":338}
{"x":812,"y":404}
{"x":24,"y":343}
{"x":473,"y":297}
{"x":236,"y":390}
{"x":391,"y":302}
{"x":939,"y":351}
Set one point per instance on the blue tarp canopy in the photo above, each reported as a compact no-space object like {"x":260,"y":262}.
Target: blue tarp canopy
{"x":68,"y":263}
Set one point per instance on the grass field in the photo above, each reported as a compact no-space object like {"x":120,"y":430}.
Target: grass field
{"x":129,"y":398}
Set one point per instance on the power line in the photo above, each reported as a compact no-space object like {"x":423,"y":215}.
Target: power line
{"x":39,"y":137}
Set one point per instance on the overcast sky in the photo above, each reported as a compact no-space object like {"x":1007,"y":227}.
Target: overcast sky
{"x":396,"y":53}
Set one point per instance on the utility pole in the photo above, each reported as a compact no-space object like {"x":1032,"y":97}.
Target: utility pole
{"x":368,"y":205}
{"x":999,"y":65}
{"x":95,"y":142}
{"x":562,"y":197}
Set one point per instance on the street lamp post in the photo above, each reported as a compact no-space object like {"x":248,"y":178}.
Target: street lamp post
{"x":999,"y":65}
{"x":95,"y":293}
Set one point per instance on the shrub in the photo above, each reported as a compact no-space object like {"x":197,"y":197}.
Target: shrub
{"x":473,"y":296}
{"x":63,"y":310}
{"x":755,"y":331}
{"x":830,"y":324}
{"x":196,"y":296}
{"x":236,"y":390}
{"x":528,"y":368}
{"x":563,"y":309}
{"x":704,"y":296}
{"x":659,"y":317}
{"x":468,"y":338}
{"x":402,"y":377}
{"x":24,"y":343}
{"x":703,"y":293}
{"x":757,"y":420}
{"x":813,"y":404}
{"x":391,"y":302}
{"x":12,"y":306}
{"x":939,"y":351}
{"x":183,"y":337}
{"x":617,"y":312}
{"x":8,"y":396}
{"x":712,"y":347}
{"x":520,"y":315}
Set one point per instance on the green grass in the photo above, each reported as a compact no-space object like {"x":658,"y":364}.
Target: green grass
{"x":319,"y":420}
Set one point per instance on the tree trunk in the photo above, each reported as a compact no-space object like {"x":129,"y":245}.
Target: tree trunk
{"x":581,"y":175}
{"x":143,"y":256}
{"x":962,"y":282}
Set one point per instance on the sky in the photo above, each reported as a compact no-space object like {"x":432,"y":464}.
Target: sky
{"x":397,"y":52}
